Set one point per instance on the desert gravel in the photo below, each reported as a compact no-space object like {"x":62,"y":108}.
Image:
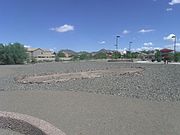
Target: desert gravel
{"x":157,"y":82}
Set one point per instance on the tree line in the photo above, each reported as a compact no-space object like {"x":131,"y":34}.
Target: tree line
{"x":16,"y":53}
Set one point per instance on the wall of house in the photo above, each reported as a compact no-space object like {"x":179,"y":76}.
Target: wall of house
{"x":37,"y":52}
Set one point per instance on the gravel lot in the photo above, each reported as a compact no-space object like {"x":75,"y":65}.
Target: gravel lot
{"x":157,"y":82}
{"x":8,"y":132}
{"x":120,"y":103}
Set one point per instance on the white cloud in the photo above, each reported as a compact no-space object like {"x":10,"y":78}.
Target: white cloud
{"x":27,"y":46}
{"x":169,"y":9}
{"x":158,"y":48}
{"x":147,"y":48}
{"x":146,"y":30}
{"x":102,"y":42}
{"x":64,"y":28}
{"x":169,"y":37}
{"x":52,"y":50}
{"x":126,"y":32}
{"x":173,"y":2}
{"x":178,"y":44}
{"x":172,"y":46}
{"x":148,"y":44}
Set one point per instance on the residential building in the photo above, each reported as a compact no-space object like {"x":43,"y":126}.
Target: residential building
{"x":40,"y":54}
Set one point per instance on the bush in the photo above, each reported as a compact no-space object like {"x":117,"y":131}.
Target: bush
{"x":33,"y":60}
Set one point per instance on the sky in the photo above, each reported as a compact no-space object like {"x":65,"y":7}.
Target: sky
{"x":90,"y":25}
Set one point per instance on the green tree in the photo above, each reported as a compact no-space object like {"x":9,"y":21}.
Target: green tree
{"x":12,"y":54}
{"x":134,"y":54}
{"x":177,"y":57}
{"x":116,"y":55}
{"x":158,"y":56}
{"x":60,"y":54}
{"x":100,"y":55}
{"x":75,"y":57}
{"x":85,"y":56}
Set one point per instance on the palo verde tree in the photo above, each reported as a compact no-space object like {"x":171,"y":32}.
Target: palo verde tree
{"x":12,"y":54}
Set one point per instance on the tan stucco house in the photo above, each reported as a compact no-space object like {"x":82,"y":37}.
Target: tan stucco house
{"x":40,"y":54}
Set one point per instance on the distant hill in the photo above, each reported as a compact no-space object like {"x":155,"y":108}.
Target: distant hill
{"x":83,"y":52}
{"x":69,"y":51}
{"x":104,"y":51}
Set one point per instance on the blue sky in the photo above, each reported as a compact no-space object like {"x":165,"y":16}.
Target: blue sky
{"x":90,"y":25}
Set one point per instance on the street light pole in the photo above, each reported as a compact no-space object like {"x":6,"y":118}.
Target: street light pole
{"x":130,"y":46}
{"x":174,"y":46}
{"x":174,"y":43}
{"x":117,"y":39}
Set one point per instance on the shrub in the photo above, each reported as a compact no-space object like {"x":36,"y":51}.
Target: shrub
{"x":57,"y":58}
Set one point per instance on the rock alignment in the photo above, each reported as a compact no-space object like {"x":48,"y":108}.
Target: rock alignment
{"x":64,"y":77}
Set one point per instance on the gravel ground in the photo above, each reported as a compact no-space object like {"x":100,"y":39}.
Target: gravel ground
{"x":82,"y":113}
{"x":8,"y":132}
{"x":157,"y":82}
{"x":19,"y":126}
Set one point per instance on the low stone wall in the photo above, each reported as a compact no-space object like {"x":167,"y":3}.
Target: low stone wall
{"x":120,"y":60}
{"x":64,"y":77}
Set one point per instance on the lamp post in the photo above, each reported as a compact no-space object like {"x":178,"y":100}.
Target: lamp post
{"x":130,"y":43}
{"x":129,"y":54}
{"x":117,"y":39}
{"x":174,"y":37}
